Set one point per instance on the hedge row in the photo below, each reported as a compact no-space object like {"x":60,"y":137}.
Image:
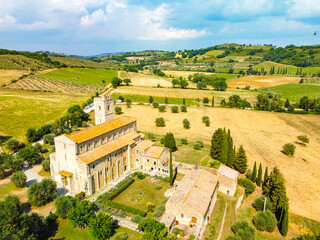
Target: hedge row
{"x":125,"y":208}
{"x":119,"y":190}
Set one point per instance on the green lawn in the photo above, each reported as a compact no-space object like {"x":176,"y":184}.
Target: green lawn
{"x":21,"y":110}
{"x":295,"y":91}
{"x":5,"y":189}
{"x":68,"y":232}
{"x":83,"y":75}
{"x":187,"y":154}
{"x":141,"y":192}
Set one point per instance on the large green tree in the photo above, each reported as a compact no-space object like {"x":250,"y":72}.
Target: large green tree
{"x":29,"y":154}
{"x":42,"y":193}
{"x":81,"y":214}
{"x":102,"y":226}
{"x":64,"y":204}
{"x":240,"y":162}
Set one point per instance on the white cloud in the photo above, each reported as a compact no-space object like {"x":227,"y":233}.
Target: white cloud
{"x":113,"y":5}
{"x":304,"y":8}
{"x":97,"y":17}
{"x":250,"y":7}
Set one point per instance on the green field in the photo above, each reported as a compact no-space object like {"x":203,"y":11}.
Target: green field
{"x":141,"y":192}
{"x":161,"y":100}
{"x":187,"y":154}
{"x":21,"y":110}
{"x":68,"y":232}
{"x":83,"y":75}
{"x":295,"y":91}
{"x":5,"y":189}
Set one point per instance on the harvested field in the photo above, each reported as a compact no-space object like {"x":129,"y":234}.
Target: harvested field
{"x":262,"y":134}
{"x":262,"y":81}
{"x":8,"y":75}
{"x":144,"y":79}
{"x":55,"y":85}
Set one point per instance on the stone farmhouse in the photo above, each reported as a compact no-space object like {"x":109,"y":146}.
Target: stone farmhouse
{"x":88,"y":160}
{"x":192,"y":202}
{"x":227,"y":179}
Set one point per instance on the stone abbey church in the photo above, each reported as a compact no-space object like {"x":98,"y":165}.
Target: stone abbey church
{"x":87,"y":160}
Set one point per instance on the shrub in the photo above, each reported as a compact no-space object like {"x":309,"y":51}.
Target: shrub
{"x":192,"y":237}
{"x":150,"y":206}
{"x":162,"y":108}
{"x":196,"y":146}
{"x":19,"y":179}
{"x":42,"y":193}
{"x":249,"y":174}
{"x":120,"y":189}
{"x":200,"y":142}
{"x":186,"y":123}
{"x":49,"y":139}
{"x":125,"y":208}
{"x":258,"y":204}
{"x":158,"y":187}
{"x":244,"y":230}
{"x":303,"y":139}
{"x":121,"y":98}
{"x":288,"y":149}
{"x":174,"y":109}
{"x":248,"y":185}
{"x":183,"y":108}
{"x":136,"y":218}
{"x":151,"y":136}
{"x":231,"y":237}
{"x":64,"y":204}
{"x":160,"y":122}
{"x":207,"y":122}
{"x":118,"y":110}
{"x":184,"y":141}
{"x":141,"y":176}
{"x":14,"y":145}
{"x":46,"y":165}
{"x":204,"y":118}
{"x":265,"y":221}
{"x":38,"y":147}
{"x":155,"y":104}
{"x":159,"y":211}
{"x":165,"y":200}
{"x":121,"y":236}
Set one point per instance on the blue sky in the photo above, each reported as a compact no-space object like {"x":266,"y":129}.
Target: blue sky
{"x":88,"y":27}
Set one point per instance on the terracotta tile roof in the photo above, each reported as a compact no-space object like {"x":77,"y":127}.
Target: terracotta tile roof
{"x":97,"y":130}
{"x":195,"y":190}
{"x":110,"y":147}
{"x":144,"y":145}
{"x":154,"y":152}
{"x":65,"y":173}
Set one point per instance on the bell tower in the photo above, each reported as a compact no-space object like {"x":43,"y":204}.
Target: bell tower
{"x":103,"y":109}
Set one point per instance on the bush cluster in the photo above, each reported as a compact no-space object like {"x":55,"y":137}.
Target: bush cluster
{"x":174,"y":109}
{"x":162,"y":108}
{"x":120,"y":189}
{"x":288,"y":149}
{"x":258,"y":204}
{"x":137,"y":219}
{"x":121,"y":236}
{"x":116,"y":212}
{"x":159,"y":211}
{"x":125,"y":208}
{"x":184,"y":141}
{"x":248,"y":185}
{"x":265,"y":221}
{"x":244,"y":230}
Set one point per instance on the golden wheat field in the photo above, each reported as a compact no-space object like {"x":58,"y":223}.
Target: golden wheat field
{"x":262,"y":81}
{"x":8,"y":75}
{"x":262,"y":134}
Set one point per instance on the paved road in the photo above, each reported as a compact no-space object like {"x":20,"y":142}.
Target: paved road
{"x":125,"y":222}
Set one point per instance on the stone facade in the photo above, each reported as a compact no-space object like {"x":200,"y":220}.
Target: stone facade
{"x":86,"y":161}
{"x":228,"y":180}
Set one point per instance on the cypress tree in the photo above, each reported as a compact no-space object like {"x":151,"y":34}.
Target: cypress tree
{"x":284,"y":220}
{"x":254,"y":173}
{"x":224,"y":149}
{"x":265,"y":178}
{"x":216,"y":144}
{"x":150,"y":99}
{"x":297,"y":73}
{"x":212,"y":103}
{"x":287,"y":103}
{"x":170,"y":143}
{"x":259,"y":179}
{"x":230,"y":150}
{"x":184,"y":101}
{"x":240,"y":162}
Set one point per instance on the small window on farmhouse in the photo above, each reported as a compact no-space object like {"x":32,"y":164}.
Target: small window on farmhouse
{"x":182,"y":215}
{"x":137,"y":151}
{"x":137,"y":159}
{"x":93,"y":166}
{"x":147,"y":160}
{"x":108,"y":107}
{"x":155,"y":163}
